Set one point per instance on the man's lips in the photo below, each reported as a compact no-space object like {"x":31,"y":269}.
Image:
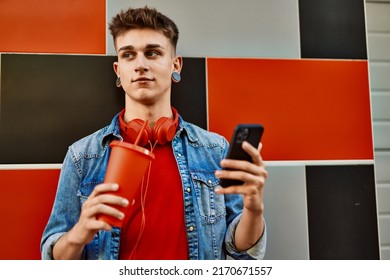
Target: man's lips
{"x":142,"y":79}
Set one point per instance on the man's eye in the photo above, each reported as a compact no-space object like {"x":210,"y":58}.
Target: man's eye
{"x":128,"y":55}
{"x":152,"y":53}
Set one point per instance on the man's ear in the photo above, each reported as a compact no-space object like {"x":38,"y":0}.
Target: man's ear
{"x":178,"y":63}
{"x":116,"y":68}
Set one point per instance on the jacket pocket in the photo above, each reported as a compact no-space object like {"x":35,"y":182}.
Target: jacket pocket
{"x":85,"y":191}
{"x":211,"y":205}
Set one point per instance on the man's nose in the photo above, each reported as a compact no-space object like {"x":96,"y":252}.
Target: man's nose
{"x":141,"y":64}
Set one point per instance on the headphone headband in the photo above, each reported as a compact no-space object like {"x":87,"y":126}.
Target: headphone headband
{"x":163,"y":131}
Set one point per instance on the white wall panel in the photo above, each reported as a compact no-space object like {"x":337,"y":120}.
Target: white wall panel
{"x":383,"y":193}
{"x":286,"y":213}
{"x":381,"y":135}
{"x":378,"y":27}
{"x":227,"y":28}
{"x":378,"y":16}
{"x":385,"y":252}
{"x":378,"y":48}
{"x":382,"y":166}
{"x":379,"y":75}
{"x":381,"y":105}
{"x":384,"y":226}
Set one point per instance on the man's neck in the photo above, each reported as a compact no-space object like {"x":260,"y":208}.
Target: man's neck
{"x":150,"y":113}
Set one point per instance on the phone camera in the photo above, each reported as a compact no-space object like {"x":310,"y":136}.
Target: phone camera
{"x":242,"y":134}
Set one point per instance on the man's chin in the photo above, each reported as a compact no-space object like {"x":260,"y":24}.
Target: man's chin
{"x":145,"y":97}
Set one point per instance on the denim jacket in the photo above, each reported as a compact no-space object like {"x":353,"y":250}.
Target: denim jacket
{"x":210,"y":218}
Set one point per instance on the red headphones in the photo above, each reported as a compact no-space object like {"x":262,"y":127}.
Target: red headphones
{"x":163,"y":131}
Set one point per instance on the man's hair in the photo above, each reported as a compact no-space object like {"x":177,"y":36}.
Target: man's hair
{"x":144,"y":18}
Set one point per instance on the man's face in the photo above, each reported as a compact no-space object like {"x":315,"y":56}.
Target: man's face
{"x":146,"y":60}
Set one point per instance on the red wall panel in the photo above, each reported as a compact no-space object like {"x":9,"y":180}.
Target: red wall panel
{"x":46,"y":26}
{"x":26,"y":199}
{"x":311,"y":109}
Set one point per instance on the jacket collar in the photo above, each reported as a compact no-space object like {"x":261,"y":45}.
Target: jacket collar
{"x":111,"y":132}
{"x":184,"y":127}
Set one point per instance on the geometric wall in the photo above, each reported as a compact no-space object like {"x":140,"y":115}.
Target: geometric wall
{"x":298,"y":67}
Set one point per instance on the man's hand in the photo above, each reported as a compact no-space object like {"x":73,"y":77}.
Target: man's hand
{"x":253,"y":175}
{"x":71,"y":245}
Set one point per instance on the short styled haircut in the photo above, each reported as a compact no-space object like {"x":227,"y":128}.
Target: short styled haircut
{"x":144,"y":18}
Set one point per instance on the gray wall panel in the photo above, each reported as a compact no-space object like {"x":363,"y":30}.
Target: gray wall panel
{"x":227,"y":28}
{"x":286,"y":213}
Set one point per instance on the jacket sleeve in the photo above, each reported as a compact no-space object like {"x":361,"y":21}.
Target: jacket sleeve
{"x":66,"y":208}
{"x":234,"y":207}
{"x":257,"y":251}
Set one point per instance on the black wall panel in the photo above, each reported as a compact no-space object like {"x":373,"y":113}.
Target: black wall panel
{"x":342,"y":212}
{"x":332,"y":29}
{"x":49,"y":101}
{"x":189,"y":96}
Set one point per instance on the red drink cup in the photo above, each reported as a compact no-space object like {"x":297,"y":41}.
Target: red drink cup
{"x":127,"y":166}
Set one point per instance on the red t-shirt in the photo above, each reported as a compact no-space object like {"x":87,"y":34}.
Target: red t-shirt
{"x":164,"y":235}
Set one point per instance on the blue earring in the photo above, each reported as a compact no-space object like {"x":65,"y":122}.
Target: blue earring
{"x":176,"y":77}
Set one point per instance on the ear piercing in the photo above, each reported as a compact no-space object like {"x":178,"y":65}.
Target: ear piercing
{"x":118,"y":82}
{"x":176,"y":77}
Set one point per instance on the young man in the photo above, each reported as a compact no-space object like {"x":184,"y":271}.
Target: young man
{"x":182,"y":213}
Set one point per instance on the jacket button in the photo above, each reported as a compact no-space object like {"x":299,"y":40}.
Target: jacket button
{"x":189,"y":190}
{"x":179,"y":154}
{"x":191,"y":228}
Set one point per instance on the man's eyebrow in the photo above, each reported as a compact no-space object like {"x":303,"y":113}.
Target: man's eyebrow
{"x":126,"y":48}
{"x":148,"y":46}
{"x":154,"y":46}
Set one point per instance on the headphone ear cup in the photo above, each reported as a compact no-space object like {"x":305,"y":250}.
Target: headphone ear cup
{"x":164,"y":130}
{"x":134,"y":127}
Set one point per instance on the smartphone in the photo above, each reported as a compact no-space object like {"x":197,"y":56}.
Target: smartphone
{"x":251,"y":133}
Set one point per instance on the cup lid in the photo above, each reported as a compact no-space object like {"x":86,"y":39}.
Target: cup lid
{"x":132,"y":147}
